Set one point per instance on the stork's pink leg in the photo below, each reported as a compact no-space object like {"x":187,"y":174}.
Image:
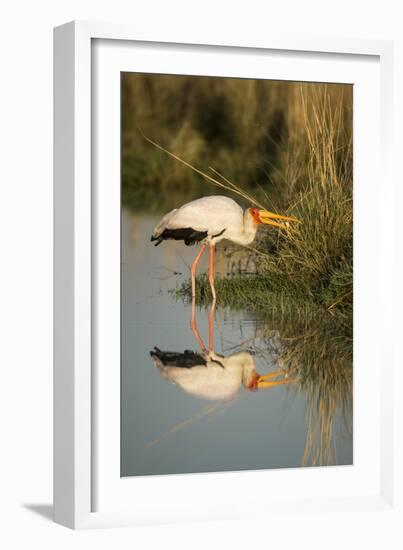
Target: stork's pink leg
{"x":194,"y":267}
{"x":211,"y":327}
{"x":193,"y":326}
{"x":211,"y":271}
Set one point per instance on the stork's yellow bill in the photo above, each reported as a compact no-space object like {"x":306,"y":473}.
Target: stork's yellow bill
{"x":278,"y":220}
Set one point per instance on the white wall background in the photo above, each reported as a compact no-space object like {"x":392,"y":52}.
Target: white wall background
{"x":26,"y":264}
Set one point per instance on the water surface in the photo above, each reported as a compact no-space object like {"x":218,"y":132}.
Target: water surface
{"x":166,"y":430}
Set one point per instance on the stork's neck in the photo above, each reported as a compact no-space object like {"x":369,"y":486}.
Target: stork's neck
{"x":246,"y":235}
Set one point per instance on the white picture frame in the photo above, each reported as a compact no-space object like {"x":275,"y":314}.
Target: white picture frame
{"x":87,"y":491}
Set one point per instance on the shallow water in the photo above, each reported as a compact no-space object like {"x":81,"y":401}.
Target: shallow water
{"x":164,"y":427}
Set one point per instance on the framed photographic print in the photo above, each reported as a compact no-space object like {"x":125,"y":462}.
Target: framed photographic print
{"x":214,"y":203}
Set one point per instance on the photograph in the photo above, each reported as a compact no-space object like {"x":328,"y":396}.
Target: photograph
{"x":236,"y":274}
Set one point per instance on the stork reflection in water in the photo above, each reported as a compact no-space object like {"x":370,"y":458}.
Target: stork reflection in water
{"x":211,"y":376}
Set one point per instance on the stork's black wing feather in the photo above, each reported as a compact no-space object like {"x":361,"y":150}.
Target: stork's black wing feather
{"x":185,"y":360}
{"x":187,"y":234}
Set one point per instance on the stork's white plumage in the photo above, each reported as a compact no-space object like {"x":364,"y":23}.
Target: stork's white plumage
{"x":209,"y":220}
{"x":215,"y":378}
{"x":212,"y":376}
{"x":208,"y":217}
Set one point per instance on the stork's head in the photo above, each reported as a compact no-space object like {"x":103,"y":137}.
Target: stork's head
{"x":257,"y":381}
{"x":264,"y":216}
{"x":252,"y":383}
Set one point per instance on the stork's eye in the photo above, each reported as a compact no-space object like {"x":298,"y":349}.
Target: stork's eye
{"x":254,"y":212}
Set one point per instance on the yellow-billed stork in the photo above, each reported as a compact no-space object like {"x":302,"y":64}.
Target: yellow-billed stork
{"x":209,"y":220}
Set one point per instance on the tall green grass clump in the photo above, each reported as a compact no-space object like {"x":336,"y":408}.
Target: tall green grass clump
{"x":316,"y":256}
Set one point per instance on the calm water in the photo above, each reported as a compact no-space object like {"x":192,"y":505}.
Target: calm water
{"x":166,"y":428}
